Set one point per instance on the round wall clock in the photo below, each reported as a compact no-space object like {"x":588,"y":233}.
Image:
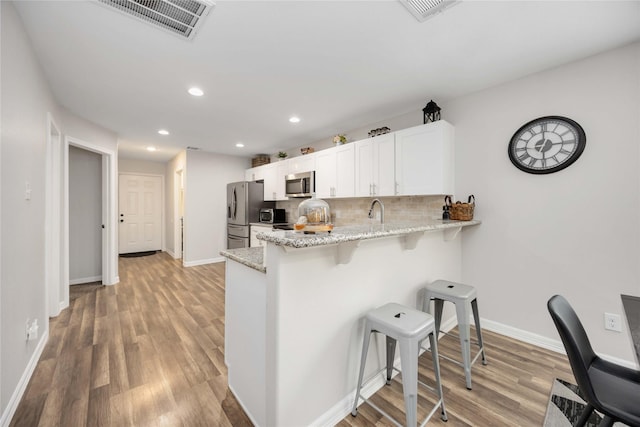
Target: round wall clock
{"x":547,"y":145}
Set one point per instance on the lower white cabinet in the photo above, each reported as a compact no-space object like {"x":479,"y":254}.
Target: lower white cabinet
{"x":254,"y":230}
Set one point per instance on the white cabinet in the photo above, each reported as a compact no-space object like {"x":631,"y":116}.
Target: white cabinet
{"x":409,"y":162}
{"x":255,"y":174}
{"x":335,"y":175}
{"x":255,"y":229}
{"x":374,"y":166}
{"x":424,"y":157}
{"x":274,"y":187}
{"x":305,"y":163}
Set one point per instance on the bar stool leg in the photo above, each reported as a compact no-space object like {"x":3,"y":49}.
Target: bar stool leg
{"x":391,"y":354}
{"x":363,"y":359}
{"x":409,"y":361}
{"x":436,"y":369}
{"x":476,"y":319}
{"x":464,"y":331}
{"x":438,"y":305}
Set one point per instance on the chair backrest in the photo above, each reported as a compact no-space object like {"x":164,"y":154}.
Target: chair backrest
{"x":576,"y":343}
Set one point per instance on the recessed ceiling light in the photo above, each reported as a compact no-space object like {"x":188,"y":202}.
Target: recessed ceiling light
{"x":196,"y":91}
{"x":151,"y":148}
{"x":163,"y":132}
{"x":239,"y":145}
{"x":294,"y":119}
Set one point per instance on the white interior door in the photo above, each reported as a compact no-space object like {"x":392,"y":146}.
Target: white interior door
{"x":140,"y":217}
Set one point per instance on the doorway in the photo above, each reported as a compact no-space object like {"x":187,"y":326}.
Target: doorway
{"x":85,"y":216}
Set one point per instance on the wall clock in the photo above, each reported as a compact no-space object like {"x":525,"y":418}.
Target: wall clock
{"x":547,"y":144}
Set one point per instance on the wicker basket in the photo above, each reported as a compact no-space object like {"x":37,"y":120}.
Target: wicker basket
{"x":260,"y":160}
{"x":461,"y":211}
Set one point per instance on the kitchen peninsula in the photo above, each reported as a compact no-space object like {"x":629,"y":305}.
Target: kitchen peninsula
{"x":294,"y":313}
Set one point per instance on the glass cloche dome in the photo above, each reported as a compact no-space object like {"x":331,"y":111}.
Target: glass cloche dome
{"x":314,"y":215}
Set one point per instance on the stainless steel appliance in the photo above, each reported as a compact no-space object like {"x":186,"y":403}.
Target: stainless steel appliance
{"x":272,"y":216}
{"x":244,"y":201}
{"x":300,"y":184}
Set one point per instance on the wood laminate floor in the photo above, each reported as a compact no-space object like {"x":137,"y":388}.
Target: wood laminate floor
{"x":149,"y":351}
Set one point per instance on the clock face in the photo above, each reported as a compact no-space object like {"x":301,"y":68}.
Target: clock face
{"x":547,"y":145}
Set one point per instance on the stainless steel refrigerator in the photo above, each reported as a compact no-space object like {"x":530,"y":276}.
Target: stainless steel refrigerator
{"x":244,"y":201}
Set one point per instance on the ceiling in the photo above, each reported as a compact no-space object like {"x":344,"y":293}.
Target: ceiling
{"x":338,"y":65}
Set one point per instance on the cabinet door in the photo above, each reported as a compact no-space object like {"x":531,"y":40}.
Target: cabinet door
{"x":326,"y":173}
{"x":344,"y":166}
{"x":305,"y":163}
{"x":375,"y":166}
{"x":425,"y":159}
{"x":384,"y":180}
{"x":269,"y":174}
{"x":255,"y":229}
{"x":364,"y":167}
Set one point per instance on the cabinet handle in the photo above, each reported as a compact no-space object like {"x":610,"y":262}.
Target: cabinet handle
{"x":374,"y":189}
{"x":397,"y":185}
{"x":370,"y":191}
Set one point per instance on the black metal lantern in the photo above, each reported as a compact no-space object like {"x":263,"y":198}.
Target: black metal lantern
{"x":431,"y":112}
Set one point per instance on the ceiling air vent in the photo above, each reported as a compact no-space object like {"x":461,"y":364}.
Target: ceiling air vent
{"x":425,"y":9}
{"x":193,"y":148}
{"x":181,"y":17}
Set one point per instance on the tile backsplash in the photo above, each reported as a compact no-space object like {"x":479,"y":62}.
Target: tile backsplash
{"x":354,"y":210}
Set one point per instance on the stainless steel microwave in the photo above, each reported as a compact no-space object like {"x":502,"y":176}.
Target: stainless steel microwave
{"x":300,"y":184}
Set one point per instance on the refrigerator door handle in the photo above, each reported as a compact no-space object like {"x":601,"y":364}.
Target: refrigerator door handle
{"x":234,"y":204}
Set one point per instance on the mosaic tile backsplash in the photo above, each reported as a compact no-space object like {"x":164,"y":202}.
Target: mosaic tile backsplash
{"x":354,"y":211}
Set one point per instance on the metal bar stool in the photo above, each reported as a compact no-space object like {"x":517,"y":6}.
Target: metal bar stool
{"x":465,"y":300}
{"x":409,"y":327}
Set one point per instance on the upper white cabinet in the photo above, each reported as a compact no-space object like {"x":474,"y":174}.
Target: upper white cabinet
{"x":274,"y":186}
{"x":254,"y":174}
{"x":424,"y":158}
{"x":374,"y":166}
{"x":335,"y":172}
{"x":305,"y":163}
{"x":409,"y":162}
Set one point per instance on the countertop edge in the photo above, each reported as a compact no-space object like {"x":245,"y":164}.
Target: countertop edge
{"x":353,"y":233}
{"x":251,"y":257}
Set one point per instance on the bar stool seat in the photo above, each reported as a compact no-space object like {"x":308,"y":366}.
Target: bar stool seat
{"x":465,"y":300}
{"x":409,"y":327}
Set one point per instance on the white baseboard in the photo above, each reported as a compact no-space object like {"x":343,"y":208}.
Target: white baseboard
{"x":203,"y":261}
{"x":85,"y":280}
{"x":8,"y":413}
{"x":544,"y":342}
{"x":170,"y":253}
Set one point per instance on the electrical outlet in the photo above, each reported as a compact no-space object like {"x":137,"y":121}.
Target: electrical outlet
{"x":612,"y":322}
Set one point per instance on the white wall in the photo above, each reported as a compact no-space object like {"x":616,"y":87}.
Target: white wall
{"x":205,"y":220}
{"x":85,"y":216}
{"x":141,"y":167}
{"x":26,"y":99}
{"x":574,"y":232}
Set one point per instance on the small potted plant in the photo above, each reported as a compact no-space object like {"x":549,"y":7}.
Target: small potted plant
{"x":340,"y":139}
{"x":282,"y":155}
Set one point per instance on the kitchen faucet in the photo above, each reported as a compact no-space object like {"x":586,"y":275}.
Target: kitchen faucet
{"x":381,"y":210}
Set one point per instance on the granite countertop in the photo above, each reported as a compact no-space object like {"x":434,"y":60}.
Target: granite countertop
{"x":251,"y":257}
{"x":357,"y":232}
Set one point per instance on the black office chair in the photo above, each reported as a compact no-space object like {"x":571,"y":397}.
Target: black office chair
{"x":611,"y":389}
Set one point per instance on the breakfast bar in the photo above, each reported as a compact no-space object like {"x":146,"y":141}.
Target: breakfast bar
{"x":294,"y":312}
